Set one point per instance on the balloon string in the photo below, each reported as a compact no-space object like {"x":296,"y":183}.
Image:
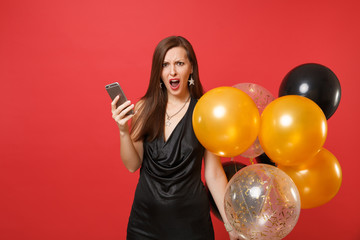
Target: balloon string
{"x":251,"y":160}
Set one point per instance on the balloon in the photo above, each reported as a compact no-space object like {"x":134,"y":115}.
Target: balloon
{"x":316,"y":82}
{"x":262,"y":202}
{"x":230,"y":168}
{"x":254,"y":150}
{"x":263,"y":158}
{"x":262,"y":97}
{"x":318,"y":181}
{"x":226,"y":121}
{"x":293,"y":129}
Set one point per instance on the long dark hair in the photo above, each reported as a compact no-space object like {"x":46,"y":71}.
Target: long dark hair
{"x":150,"y":122}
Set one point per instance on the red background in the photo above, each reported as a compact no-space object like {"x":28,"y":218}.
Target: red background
{"x":60,"y":172}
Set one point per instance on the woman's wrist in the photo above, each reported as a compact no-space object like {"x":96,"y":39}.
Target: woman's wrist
{"x":123,"y":130}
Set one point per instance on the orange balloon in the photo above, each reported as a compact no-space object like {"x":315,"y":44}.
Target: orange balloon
{"x":226,"y":121}
{"x":293,"y":129}
{"x":318,"y":180}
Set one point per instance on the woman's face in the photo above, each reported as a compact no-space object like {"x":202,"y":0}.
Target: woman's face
{"x":176,"y":71}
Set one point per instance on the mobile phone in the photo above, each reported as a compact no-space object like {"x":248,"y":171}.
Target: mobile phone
{"x":114,"y":90}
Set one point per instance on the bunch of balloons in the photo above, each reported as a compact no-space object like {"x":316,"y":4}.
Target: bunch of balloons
{"x":294,"y":129}
{"x":289,"y":132}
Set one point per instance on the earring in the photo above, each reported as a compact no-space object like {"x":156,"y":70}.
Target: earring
{"x":161,"y":84}
{"x":191,"y":81}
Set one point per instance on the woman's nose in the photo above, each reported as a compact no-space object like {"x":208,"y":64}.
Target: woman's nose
{"x":172,"y":70}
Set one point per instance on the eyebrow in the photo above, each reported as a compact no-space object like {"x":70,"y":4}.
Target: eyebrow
{"x":177,"y":60}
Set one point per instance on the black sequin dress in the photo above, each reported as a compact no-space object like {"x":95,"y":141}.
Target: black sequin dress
{"x":170,"y":199}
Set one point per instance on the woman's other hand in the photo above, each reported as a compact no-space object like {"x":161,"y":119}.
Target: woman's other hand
{"x":234,"y":236}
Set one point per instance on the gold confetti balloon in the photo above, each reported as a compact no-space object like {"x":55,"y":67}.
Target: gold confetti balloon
{"x":262,"y":202}
{"x":262,"y":97}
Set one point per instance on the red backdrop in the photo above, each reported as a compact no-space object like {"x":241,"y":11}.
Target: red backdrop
{"x":60,"y":172}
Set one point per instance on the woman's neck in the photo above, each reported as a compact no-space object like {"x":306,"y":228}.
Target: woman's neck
{"x":174,"y":100}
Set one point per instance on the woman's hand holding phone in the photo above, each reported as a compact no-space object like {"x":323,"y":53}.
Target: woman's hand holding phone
{"x":121,"y":114}
{"x":122,"y":109}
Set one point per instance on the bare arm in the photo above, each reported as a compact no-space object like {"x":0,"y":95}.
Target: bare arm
{"x":130,"y":152}
{"x":216,"y":181}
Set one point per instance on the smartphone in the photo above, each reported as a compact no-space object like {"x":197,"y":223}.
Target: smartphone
{"x":114,"y":90}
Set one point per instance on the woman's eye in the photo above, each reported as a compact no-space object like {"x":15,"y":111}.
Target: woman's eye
{"x":180,"y":63}
{"x":165,"y":64}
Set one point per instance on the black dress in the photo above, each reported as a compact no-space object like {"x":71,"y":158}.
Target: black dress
{"x":170,"y":199}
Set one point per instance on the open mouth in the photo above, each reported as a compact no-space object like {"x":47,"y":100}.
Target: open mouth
{"x":174,"y":83}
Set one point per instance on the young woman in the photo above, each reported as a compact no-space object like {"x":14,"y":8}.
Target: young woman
{"x":170,"y":199}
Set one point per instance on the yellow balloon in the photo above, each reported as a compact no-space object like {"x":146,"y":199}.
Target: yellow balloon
{"x":226,"y":121}
{"x":293,"y":129}
{"x":318,"y":180}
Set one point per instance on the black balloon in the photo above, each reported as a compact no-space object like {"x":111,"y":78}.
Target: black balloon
{"x":263,"y":158}
{"x":315,"y":82}
{"x":230,"y":168}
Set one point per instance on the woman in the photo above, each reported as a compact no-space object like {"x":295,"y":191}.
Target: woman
{"x":170,"y":199}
